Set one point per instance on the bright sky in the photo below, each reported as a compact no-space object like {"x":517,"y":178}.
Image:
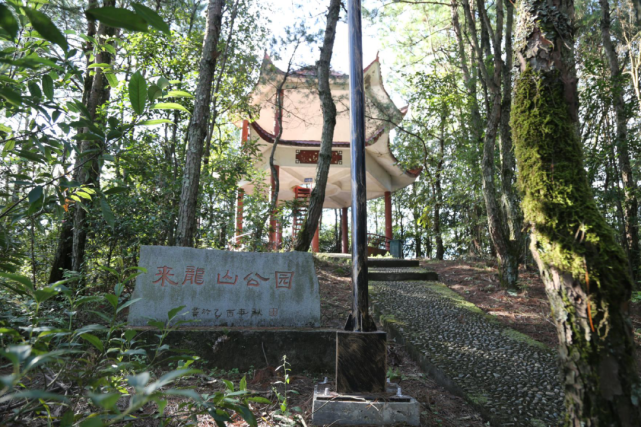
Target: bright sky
{"x":312,"y":10}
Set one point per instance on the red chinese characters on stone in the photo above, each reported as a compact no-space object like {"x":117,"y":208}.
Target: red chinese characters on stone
{"x":227,"y":279}
{"x":164,"y":272}
{"x":284,"y":279}
{"x":273,"y":312}
{"x":194,"y":275}
{"x":253,"y":281}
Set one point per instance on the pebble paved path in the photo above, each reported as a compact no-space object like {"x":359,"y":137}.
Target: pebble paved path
{"x":510,"y":377}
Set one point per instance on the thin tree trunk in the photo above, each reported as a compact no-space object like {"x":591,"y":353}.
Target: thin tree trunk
{"x":631,"y":205}
{"x":509,"y":197}
{"x":317,"y":198}
{"x":438,"y":194}
{"x":507,"y":250}
{"x":63,"y":257}
{"x":89,"y":174}
{"x":197,"y":130}
{"x":584,"y":269}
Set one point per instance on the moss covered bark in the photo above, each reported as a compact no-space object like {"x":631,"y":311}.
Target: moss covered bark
{"x":584,"y":269}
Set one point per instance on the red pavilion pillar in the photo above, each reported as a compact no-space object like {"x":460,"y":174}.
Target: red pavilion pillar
{"x":388,"y":219}
{"x":244,"y":137}
{"x":344,"y":230}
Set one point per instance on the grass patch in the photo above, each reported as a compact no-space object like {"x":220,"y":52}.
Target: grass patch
{"x":517,"y":336}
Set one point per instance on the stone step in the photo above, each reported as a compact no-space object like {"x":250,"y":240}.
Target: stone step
{"x":391,"y":262}
{"x":394,"y":274}
{"x":510,"y":378}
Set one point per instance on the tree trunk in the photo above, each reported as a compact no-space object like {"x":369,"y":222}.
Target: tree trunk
{"x":316,"y":199}
{"x":584,"y":269}
{"x":89,"y":173}
{"x":438,"y":196}
{"x":506,"y":249}
{"x":197,"y":131}
{"x":629,"y":183}
{"x":63,"y":257}
{"x":509,"y":197}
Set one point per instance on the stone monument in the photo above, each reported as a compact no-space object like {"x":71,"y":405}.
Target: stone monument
{"x":221,"y":288}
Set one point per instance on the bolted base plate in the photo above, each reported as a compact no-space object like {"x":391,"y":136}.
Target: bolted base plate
{"x":353,"y":410}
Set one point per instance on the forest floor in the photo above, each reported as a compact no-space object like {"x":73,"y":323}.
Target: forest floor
{"x":476,"y":281}
{"x":439,"y":408}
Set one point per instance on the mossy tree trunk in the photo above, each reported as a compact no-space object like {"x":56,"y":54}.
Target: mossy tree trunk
{"x":584,"y":270}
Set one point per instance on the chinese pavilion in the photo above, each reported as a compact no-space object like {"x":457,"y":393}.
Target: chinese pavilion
{"x":297,"y":151}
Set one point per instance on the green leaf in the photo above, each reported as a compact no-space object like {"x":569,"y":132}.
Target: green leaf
{"x":119,"y":18}
{"x":12,"y":97}
{"x":139,"y":380}
{"x":248,"y":415}
{"x":43,"y":25}
{"x":107,"y":213}
{"x":154,"y":122}
{"x":154,"y":92}
{"x":93,"y":340}
{"x":35,"y":194}
{"x":259,"y":399}
{"x":100,"y":65}
{"x":169,"y":377}
{"x":41,"y":295}
{"x":67,"y":419}
{"x":152,"y":17}
{"x":162,"y":82}
{"x":9,"y":331}
{"x":127,"y":304}
{"x":34,"y":157}
{"x":112,"y":79}
{"x":106,"y":401}
{"x":94,"y":421}
{"x":113,"y":300}
{"x":8,"y":22}
{"x":34,"y":89}
{"x":47,"y":86}
{"x":83,"y":195}
{"x":170,"y":106}
{"x":109,"y":48}
{"x":88,"y":136}
{"x":243,"y":384}
{"x":130,"y":334}
{"x":174,"y":311}
{"x":138,"y":92}
{"x":23,"y":280}
{"x":178,"y":94}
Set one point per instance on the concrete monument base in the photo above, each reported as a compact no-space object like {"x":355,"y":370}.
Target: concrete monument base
{"x":307,"y":349}
{"x":331,"y":408}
